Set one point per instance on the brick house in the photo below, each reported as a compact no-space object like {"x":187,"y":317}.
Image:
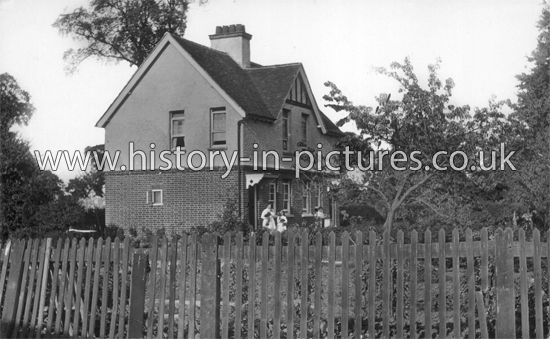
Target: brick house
{"x":212,"y":101}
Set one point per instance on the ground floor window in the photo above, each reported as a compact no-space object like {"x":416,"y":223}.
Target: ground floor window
{"x":306,"y":197}
{"x":286,"y":196}
{"x":156,"y":197}
{"x":272,"y":198}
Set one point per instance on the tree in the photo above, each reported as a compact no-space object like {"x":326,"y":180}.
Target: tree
{"x":534,"y":87}
{"x":121,"y":30}
{"x":422,"y":121}
{"x":16,"y":163}
{"x":528,"y":130}
{"x":15,"y":106}
{"x":32,"y":202}
{"x":87,"y":187}
{"x":89,"y":184}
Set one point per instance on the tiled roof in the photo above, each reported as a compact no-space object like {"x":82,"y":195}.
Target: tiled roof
{"x":229,"y":76}
{"x":330,"y":126}
{"x":260,"y":90}
{"x":274,"y":83}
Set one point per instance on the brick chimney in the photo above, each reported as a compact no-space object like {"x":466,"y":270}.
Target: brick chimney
{"x":234,"y":41}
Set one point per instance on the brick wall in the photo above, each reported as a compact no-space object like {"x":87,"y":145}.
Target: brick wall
{"x":190,"y":198}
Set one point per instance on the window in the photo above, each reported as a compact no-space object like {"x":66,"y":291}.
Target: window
{"x":217,"y":127}
{"x":304,"y":128}
{"x":272,"y":198}
{"x":317,"y":197}
{"x":156,"y":197}
{"x":306,"y":198}
{"x":285,"y":129}
{"x":286,"y":196}
{"x":176,"y":129}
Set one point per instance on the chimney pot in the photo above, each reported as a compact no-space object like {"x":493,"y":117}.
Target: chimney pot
{"x":233,"y":40}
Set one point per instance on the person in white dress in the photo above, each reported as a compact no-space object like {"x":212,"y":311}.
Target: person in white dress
{"x":281,"y":222}
{"x":268,"y":218}
{"x":319,"y":217}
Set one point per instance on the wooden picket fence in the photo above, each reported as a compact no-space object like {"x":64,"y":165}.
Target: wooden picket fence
{"x":287,"y":286}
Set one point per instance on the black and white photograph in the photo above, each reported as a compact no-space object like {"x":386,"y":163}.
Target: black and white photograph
{"x":274,"y":169}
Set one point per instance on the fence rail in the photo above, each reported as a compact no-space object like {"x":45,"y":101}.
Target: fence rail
{"x":219,"y":287}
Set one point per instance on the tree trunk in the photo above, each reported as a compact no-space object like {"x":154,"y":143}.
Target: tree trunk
{"x":389,"y":219}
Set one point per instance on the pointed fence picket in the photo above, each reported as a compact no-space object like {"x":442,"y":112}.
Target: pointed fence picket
{"x":293,"y":285}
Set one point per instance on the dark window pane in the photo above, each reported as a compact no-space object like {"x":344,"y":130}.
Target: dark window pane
{"x":178,"y":141}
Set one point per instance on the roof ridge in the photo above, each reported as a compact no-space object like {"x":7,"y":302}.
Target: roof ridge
{"x":197,"y":44}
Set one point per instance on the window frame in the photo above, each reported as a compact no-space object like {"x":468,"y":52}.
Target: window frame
{"x":273,"y":201}
{"x":180,"y":117}
{"x":286,"y":129}
{"x":155,"y":203}
{"x":317,"y":196}
{"x":214,"y":111}
{"x":287,"y":196}
{"x":304,"y":127}
{"x":306,"y":198}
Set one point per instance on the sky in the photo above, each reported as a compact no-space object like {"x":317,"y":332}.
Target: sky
{"x":482,"y":45}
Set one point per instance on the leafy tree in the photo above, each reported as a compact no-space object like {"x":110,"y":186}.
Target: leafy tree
{"x":528,"y":130}
{"x":16,"y":163}
{"x":121,"y":30}
{"x":15,"y":104}
{"x":89,"y":184}
{"x":32,"y":202}
{"x":534,"y":87}
{"x":422,"y":121}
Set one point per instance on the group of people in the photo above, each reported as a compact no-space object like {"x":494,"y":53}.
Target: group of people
{"x":278,"y":222}
{"x":274,"y":221}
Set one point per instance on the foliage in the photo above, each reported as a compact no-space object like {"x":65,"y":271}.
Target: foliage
{"x":33,"y":202}
{"x":16,"y":108}
{"x":229,"y":220}
{"x":528,"y":131}
{"x":121,"y":30}
{"x":91,"y":183}
{"x":422,"y":123}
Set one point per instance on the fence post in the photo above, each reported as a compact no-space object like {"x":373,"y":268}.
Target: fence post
{"x":137,"y":296}
{"x":12,"y":289}
{"x":210,"y":288}
{"x":504,"y":268}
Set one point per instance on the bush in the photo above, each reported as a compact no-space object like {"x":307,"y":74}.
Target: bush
{"x":359,"y":214}
{"x":228,"y":221}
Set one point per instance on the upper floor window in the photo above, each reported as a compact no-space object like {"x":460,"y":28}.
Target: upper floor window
{"x":177,"y":137}
{"x":217,"y":126}
{"x":286,"y":125}
{"x":304,"y":128}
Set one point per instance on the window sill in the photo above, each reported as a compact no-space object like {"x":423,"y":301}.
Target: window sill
{"x":307,"y":215}
{"x":157,"y":204}
{"x":218,"y":148}
{"x":289,"y":215}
